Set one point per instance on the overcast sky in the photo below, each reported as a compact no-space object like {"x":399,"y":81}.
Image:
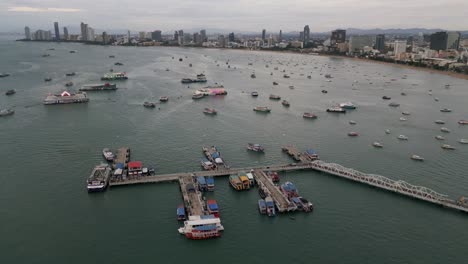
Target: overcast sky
{"x":240,"y":15}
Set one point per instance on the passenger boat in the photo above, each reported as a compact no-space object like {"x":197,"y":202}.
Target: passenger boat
{"x":262,"y":208}
{"x":235,"y":182}
{"x":210,"y":111}
{"x":99,"y":178}
{"x":251,"y":178}
{"x":386,"y":97}
{"x":181,"y":213}
{"x":198,"y":228}
{"x":244,"y":179}
{"x":197,"y":95}
{"x":402,"y":137}
{"x":10,"y":92}
{"x":210,"y":184}
{"x":309,"y":115}
{"x":99,"y":87}
{"x":275,"y":97}
{"x":149,"y":104}
{"x":447,"y":146}
{"x":348,"y":105}
{"x":253,"y":75}
{"x":6,"y":112}
{"x":114,"y":76}
{"x":70,"y":74}
{"x":255,"y":147}
{"x":439,"y":138}
{"x":353,"y":134}
{"x":270,"y":206}
{"x":393,"y":104}
{"x":201,"y":182}
{"x":275,"y":83}
{"x":254,"y":94}
{"x":463,"y":141}
{"x":446,"y":110}
{"x":47,"y":79}
{"x":212,"y":208}
{"x":108,"y":155}
{"x":3,"y":75}
{"x":66,"y":98}
{"x":201,"y":78}
{"x":444,"y":129}
{"x":289,"y":189}
{"x":207,"y":165}
{"x":163,"y":99}
{"x":285,"y":103}
{"x":416,"y":157}
{"x":440,"y":122}
{"x":68,"y":84}
{"x":263,"y":109}
{"x":336,"y":110}
{"x":463,"y":122}
{"x":274,"y":176}
{"x":377,"y":145}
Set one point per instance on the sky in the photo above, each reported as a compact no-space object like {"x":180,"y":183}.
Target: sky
{"x":233,"y":15}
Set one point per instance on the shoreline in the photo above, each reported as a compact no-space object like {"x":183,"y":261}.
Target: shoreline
{"x":406,"y":66}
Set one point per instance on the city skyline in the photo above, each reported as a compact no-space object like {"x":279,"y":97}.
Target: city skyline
{"x":239,"y":16}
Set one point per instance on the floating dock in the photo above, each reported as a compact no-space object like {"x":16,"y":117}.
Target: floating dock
{"x":123,"y":157}
{"x":281,"y":201}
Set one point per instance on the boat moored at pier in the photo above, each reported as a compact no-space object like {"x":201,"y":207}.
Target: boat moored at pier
{"x":99,"y":178}
{"x":255,"y":147}
{"x":198,"y":228}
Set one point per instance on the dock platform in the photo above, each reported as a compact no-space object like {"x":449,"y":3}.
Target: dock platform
{"x":271,"y":190}
{"x":123,"y":156}
{"x":192,"y":197}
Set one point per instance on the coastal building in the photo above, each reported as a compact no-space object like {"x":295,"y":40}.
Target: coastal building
{"x":264,"y":34}
{"x":280,"y":38}
{"x":65,"y":33}
{"x":156,"y":35}
{"x":399,"y":47}
{"x":297,"y":44}
{"x":338,"y":36}
{"x":105,"y":38}
{"x":306,"y":35}
{"x":180,"y":37}
{"x":231,"y":37}
{"x":91,"y":35}
{"x":57,"y":31}
{"x":453,"y":40}
{"x":84,"y":31}
{"x":221,"y":41}
{"x":301,"y":36}
{"x":197,"y":38}
{"x":445,"y":40}
{"x":27,"y":33}
{"x":142,"y":35}
{"x":187,"y":38}
{"x":203,"y":35}
{"x":380,"y":42}
{"x":357,"y":43}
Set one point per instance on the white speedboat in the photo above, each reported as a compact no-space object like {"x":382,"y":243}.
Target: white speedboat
{"x":447,"y":146}
{"x":402,"y":137}
{"x":444,"y":129}
{"x":440,"y":122}
{"x":108,"y":155}
{"x":387,"y":131}
{"x":463,"y":141}
{"x":416,"y":157}
{"x":402,"y":119}
{"x":439,"y":137}
{"x":377,"y":145}
{"x":351,"y":122}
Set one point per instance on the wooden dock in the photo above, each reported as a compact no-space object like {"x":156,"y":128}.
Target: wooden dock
{"x":271,"y":190}
{"x":123,"y":156}
{"x":193,"y":201}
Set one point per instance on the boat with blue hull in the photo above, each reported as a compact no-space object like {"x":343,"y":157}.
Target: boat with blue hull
{"x":210,"y":183}
{"x":202,"y":184}
{"x":181,"y":213}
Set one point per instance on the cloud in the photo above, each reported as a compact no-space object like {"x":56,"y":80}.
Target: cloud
{"x":37,"y":9}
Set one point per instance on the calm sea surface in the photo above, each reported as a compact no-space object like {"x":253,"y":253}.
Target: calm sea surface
{"x":47,"y":153}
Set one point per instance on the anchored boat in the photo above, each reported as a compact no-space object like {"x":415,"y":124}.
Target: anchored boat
{"x":108,"y":155}
{"x":66,"y":98}
{"x":270,"y":206}
{"x":212,"y":208}
{"x":99,"y":178}
{"x":255,"y":147}
{"x":181,"y":213}
{"x":99,"y":87}
{"x":114,"y":76}
{"x":263,"y":109}
{"x":6,"y":112}
{"x":235,"y":182}
{"x":198,"y":227}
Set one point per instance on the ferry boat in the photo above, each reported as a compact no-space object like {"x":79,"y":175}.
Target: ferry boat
{"x":70,"y":74}
{"x":99,"y":87}
{"x":274,"y":176}
{"x":275,"y":97}
{"x":263,"y":109}
{"x":114,"y":76}
{"x":244,"y":179}
{"x":10,"y":92}
{"x":386,"y":97}
{"x":66,"y":98}
{"x":200,"y":78}
{"x":108,"y":155}
{"x":439,"y":137}
{"x":255,"y":147}
{"x":163,"y":99}
{"x":262,"y":208}
{"x":446,"y":110}
{"x":393,"y":104}
{"x":149,"y":104}
{"x":202,"y":186}
{"x":210,"y":183}
{"x":201,"y":228}
{"x":6,"y":112}
{"x":99,"y":178}
{"x":353,"y":134}
{"x":447,"y":146}
{"x":377,"y":145}
{"x":251,"y":178}
{"x":289,"y":189}
{"x":3,"y":75}
{"x":212,"y":208}
{"x":336,"y":110}
{"x":181,"y":213}
{"x":309,"y":115}
{"x":416,"y":157}
{"x":440,"y":122}
{"x":285,"y":103}
{"x":210,"y":111}
{"x":463,"y":122}
{"x":235,"y":182}
{"x":254,"y":94}
{"x":348,"y":105}
{"x":270,"y":206}
{"x":197,"y":96}
{"x":207,"y":165}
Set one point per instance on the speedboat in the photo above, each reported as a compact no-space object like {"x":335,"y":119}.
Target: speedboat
{"x":163,"y":99}
{"x":393,"y":104}
{"x":416,"y":157}
{"x":402,"y":119}
{"x":351,"y":122}
{"x":353,"y":134}
{"x":10,"y":92}
{"x":108,"y":155}
{"x":463,"y":141}
{"x":48,"y":79}
{"x":440,"y":122}
{"x":447,"y":146}
{"x":446,"y":110}
{"x":377,"y":145}
{"x":6,"y":112}
{"x":254,"y":94}
{"x":210,"y":111}
{"x":348,"y":105}
{"x":149,"y":104}
{"x":402,"y":137}
{"x":336,"y":110}
{"x":406,"y":113}
{"x":387,"y":131}
{"x":444,"y":129}
{"x":463,"y":122}
{"x":275,"y":97}
{"x":439,"y":137}
{"x":197,"y":95}
{"x":309,"y":115}
{"x":285,"y":103}
{"x":386,"y":97}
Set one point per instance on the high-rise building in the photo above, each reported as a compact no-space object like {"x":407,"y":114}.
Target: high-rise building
{"x":280,"y":38}
{"x":301,"y":36}
{"x":357,"y":43}
{"x":57,"y":32}
{"x":338,"y":36}
{"x":453,"y":40}
{"x":65,"y":33}
{"x":380,"y":42}
{"x":105,"y":38}
{"x":187,"y":38}
{"x":263,"y":34}
{"x":176,"y":36}
{"x":231,"y":37}
{"x":306,"y":35}
{"x":27,"y":33}
{"x":196,"y":38}
{"x":91,"y":36}
{"x":181,"y":37}
{"x":203,"y":35}
{"x":84,"y":31}
{"x":221,"y":41}
{"x":156,"y":35}
{"x":439,"y":41}
{"x":400,"y":47}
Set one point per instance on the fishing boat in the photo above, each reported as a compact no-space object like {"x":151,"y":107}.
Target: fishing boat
{"x":201,"y":78}
{"x":285,"y":103}
{"x":235,"y":182}
{"x":262,"y":208}
{"x":447,"y":146}
{"x":463,"y":122}
{"x":212,"y":208}
{"x":270,"y":206}
{"x":336,"y":110}
{"x":275,"y":83}
{"x":254,"y":94}
{"x":6,"y":112}
{"x":440,"y":122}
{"x":197,"y":96}
{"x":66,"y":98}
{"x":99,"y":87}
{"x":387,"y":131}
{"x":207,"y":165}
{"x":201,"y":182}
{"x":47,"y":79}
{"x":309,"y":115}
{"x":289,"y":189}
{"x":417,"y":158}
{"x":10,"y":92}
{"x":198,"y":228}
{"x":386,"y":97}
{"x":118,"y":64}
{"x":446,"y":110}
{"x":352,"y":122}
{"x":255,"y":147}
{"x":275,"y":97}
{"x":263,"y":109}
{"x":439,"y":137}
{"x":353,"y":134}
{"x":70,"y":74}
{"x":251,"y":178}
{"x":253,"y":75}
{"x":244,"y":179}
{"x":99,"y":178}
{"x":3,"y":75}
{"x":324,"y":91}
{"x":210,"y":111}
{"x":163,"y":99}
{"x":181,"y":213}
{"x":393,"y":104}
{"x":463,"y":141}
{"x":406,"y":113}
{"x":377,"y":145}
{"x":68,"y":84}
{"x":444,"y":129}
{"x":210,"y":183}
{"x":114,"y":76}
{"x":402,"y":137}
{"x":273,"y":176}
{"x":348,"y":105}
{"x":149,"y":104}
{"x":108,"y":155}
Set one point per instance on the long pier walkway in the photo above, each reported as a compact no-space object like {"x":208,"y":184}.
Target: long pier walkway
{"x":269,"y":187}
{"x":192,"y":197}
